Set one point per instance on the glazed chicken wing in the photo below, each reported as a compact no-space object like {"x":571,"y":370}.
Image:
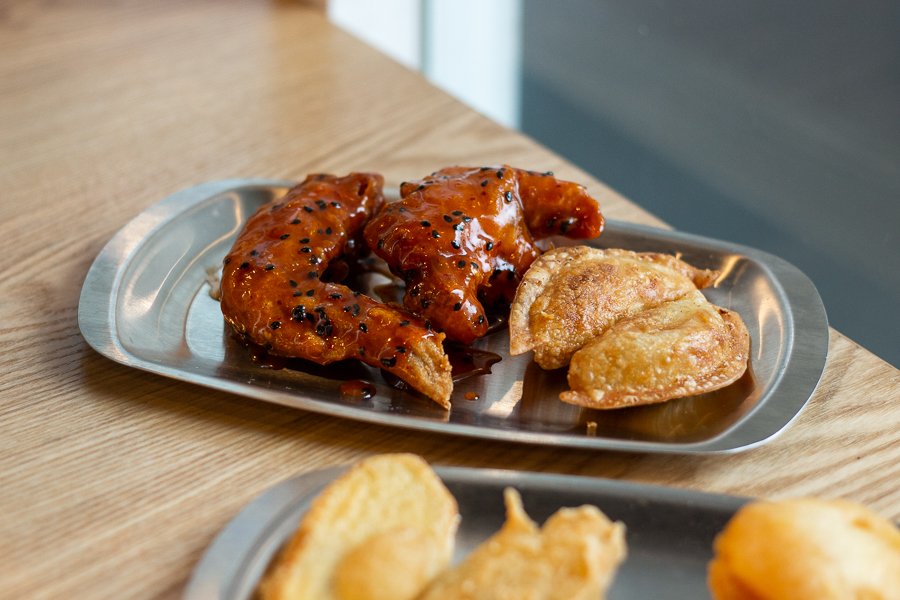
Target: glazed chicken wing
{"x":463,"y":238}
{"x":273,"y":293}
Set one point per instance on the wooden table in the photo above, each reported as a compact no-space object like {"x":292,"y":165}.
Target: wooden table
{"x":114,"y":481}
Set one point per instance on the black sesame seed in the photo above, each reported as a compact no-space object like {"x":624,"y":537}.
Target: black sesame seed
{"x":508,"y":196}
{"x":489,"y":245}
{"x":500,"y":174}
{"x":269,"y":267}
{"x":389,"y":362}
{"x":448,"y":218}
{"x":496,"y":273}
{"x":356,"y":310}
{"x":304,"y":241}
{"x":428,"y":325}
{"x":362,"y":351}
{"x":320,"y":329}
{"x":485,"y":169}
{"x":425,"y":224}
{"x":455,"y":244}
{"x":319,"y":309}
{"x":380,"y":244}
{"x":355,"y":294}
{"x":306,"y":249}
{"x":420,"y":188}
{"x":363,"y":328}
{"x":435,"y":234}
{"x":484,"y":183}
{"x":299,"y":313}
{"x":253,"y":253}
{"x":466,"y":219}
{"x":402,"y":183}
{"x":481,"y":318}
{"x":564,"y":226}
{"x":298,"y":293}
{"x":404,"y":323}
{"x":549,"y":173}
{"x":414,"y":292}
{"x":295,"y":222}
{"x":550,"y":223}
{"x":328,"y":231}
{"x":473,"y":264}
{"x":310,"y":317}
{"x":461,"y":264}
{"x":347,"y":309}
{"x":313,"y":260}
{"x":335,"y":204}
{"x":457,"y":306}
{"x":292,"y":282}
{"x":308,"y":208}
{"x":425,"y":303}
{"x":274,"y":324}
{"x":334,"y":296}
{"x":402,"y":209}
{"x":320,"y":231}
{"x":310,"y":293}
{"x":458,"y":227}
{"x":285,"y":236}
{"x":312,"y":275}
{"x":321,"y":204}
{"x":401,"y":349}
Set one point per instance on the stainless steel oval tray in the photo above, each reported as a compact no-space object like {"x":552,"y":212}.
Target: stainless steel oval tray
{"x":669,"y":531}
{"x":145,"y":303}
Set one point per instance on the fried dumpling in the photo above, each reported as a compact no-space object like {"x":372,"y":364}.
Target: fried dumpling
{"x":571,"y":295}
{"x":381,"y":531}
{"x":574,"y":556}
{"x":680,"y":348}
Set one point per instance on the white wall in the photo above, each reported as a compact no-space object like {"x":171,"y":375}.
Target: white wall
{"x":469,"y":48}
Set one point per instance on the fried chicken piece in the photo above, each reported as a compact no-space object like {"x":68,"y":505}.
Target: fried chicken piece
{"x":463,"y":238}
{"x":806,"y":548}
{"x":571,"y":295}
{"x":680,"y":348}
{"x":382,"y":531}
{"x":574,"y":556}
{"x":273,"y":293}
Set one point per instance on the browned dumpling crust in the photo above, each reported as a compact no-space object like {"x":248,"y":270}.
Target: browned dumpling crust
{"x":680,"y":348}
{"x":571,"y":295}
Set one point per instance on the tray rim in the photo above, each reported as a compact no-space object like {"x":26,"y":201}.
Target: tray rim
{"x":97,"y":308}
{"x":220,"y":574}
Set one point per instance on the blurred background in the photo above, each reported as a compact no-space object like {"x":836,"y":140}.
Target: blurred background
{"x":771,"y":124}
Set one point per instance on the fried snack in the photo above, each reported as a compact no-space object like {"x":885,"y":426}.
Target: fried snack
{"x":574,"y":556}
{"x":382,"y":531}
{"x":680,"y":348}
{"x":463,"y":238}
{"x":806,"y":548}
{"x":274,"y":294}
{"x":571,"y":295}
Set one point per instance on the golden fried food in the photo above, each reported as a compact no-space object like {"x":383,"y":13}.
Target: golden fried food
{"x":680,"y":348}
{"x":574,"y":556}
{"x":274,"y":294}
{"x":382,"y":531}
{"x":806,"y":548}
{"x":571,"y":295}
{"x":463,"y":238}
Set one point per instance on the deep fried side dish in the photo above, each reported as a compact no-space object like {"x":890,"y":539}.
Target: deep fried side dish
{"x":574,"y":556}
{"x":679,"y":348}
{"x":273,"y":292}
{"x":463,"y":238}
{"x":571,"y":295}
{"x":382,"y":531}
{"x":806,"y":548}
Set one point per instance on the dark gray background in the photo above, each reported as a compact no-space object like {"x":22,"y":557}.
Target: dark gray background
{"x":771,"y":124}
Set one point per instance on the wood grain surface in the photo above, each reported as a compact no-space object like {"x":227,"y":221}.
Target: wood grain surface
{"x":114,"y":481}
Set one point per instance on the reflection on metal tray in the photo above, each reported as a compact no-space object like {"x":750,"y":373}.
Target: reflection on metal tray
{"x":670,"y":531}
{"x":146,"y":304}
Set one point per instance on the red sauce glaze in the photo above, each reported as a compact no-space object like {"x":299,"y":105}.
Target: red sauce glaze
{"x":463,"y":238}
{"x":273,"y":292}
